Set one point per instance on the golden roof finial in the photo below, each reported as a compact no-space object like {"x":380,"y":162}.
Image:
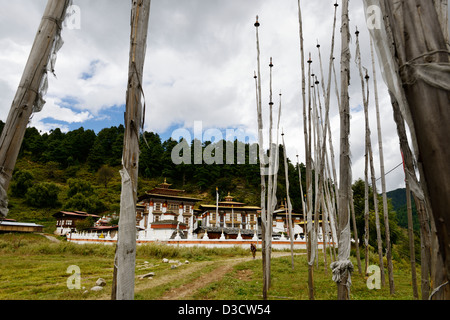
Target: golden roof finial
{"x":229,"y":197}
{"x":165,"y":184}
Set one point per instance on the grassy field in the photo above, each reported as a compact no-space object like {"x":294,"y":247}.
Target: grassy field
{"x":244,"y":283}
{"x":34,"y":268}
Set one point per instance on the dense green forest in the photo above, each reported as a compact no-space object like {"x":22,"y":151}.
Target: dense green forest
{"x":398,"y":198}
{"x":79,"y":170}
{"x":83,"y":149}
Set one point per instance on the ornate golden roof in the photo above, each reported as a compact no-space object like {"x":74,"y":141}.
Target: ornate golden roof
{"x":229,"y":197}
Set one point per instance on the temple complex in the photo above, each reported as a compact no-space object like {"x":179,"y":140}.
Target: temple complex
{"x":169,"y":216}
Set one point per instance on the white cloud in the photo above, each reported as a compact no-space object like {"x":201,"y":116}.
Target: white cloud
{"x":54,"y":111}
{"x":201,"y":55}
{"x":47,"y":127}
{"x":43,"y":120}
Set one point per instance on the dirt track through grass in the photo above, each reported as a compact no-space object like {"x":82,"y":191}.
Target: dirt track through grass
{"x":183,"y":283}
{"x":222,"y":267}
{"x":190,"y":288}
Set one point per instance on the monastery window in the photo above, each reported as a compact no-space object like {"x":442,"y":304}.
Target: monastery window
{"x":186,"y":220}
{"x":187,"y":209}
{"x":228,"y":216}
{"x":213,"y":216}
{"x":158,"y":206}
{"x":172,"y":207}
{"x":252,"y":218}
{"x":156,"y":218}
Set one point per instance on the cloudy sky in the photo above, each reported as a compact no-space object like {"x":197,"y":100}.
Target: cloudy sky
{"x":201,"y":55}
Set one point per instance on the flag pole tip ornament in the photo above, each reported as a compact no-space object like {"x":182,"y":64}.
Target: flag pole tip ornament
{"x":257,"y":22}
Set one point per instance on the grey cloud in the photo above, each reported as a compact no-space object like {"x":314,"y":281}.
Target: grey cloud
{"x":201,"y":55}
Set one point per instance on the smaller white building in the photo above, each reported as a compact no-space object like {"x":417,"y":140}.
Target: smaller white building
{"x":281,"y":222}
{"x":66,"y":220}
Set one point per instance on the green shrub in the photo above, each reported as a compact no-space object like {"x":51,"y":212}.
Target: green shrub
{"x":43,"y":195}
{"x":30,"y":244}
{"x":80,"y":202}
{"x":191,"y":253}
{"x":22,"y":180}
{"x":79,"y":186}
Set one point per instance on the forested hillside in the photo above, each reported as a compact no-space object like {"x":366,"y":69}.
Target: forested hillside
{"x":398,"y":198}
{"x":79,"y":170}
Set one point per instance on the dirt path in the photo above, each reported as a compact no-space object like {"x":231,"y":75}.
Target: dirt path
{"x":51,"y":238}
{"x":189,"y":289}
{"x":225,"y":266}
{"x":221,"y":268}
{"x":180,"y":273}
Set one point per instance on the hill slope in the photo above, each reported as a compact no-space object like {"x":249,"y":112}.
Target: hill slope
{"x":81,"y":168}
{"x":398,"y":198}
